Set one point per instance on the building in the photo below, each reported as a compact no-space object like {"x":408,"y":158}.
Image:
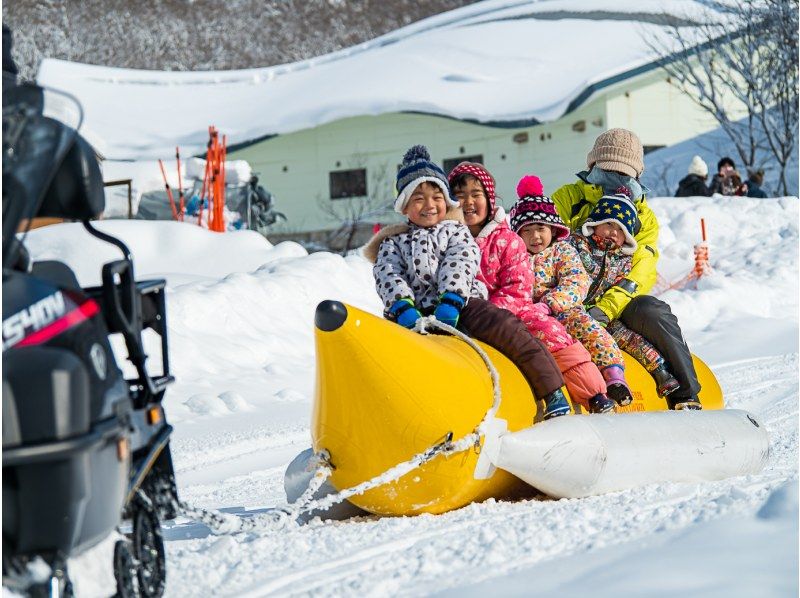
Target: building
{"x":522,"y":86}
{"x":358,"y":156}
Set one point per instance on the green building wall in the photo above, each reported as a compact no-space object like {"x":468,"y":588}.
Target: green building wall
{"x":295,"y":167}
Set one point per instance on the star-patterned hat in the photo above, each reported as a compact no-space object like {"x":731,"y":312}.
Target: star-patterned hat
{"x":615,"y":208}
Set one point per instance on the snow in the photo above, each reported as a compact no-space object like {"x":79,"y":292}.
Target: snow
{"x":240,"y":316}
{"x":490,"y":61}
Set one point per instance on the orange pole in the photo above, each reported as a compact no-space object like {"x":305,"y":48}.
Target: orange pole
{"x":169,"y":191}
{"x":203,"y":193}
{"x":213,"y":174}
{"x":223,"y":157}
{"x":703,"y":227}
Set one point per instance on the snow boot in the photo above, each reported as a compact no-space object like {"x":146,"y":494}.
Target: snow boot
{"x":690,"y":403}
{"x":556,"y":404}
{"x":601,"y":404}
{"x":617,"y":388}
{"x":665,"y":382}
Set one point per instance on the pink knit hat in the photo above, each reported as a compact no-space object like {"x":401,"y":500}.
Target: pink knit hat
{"x":480,"y":173}
{"x":534,"y":207}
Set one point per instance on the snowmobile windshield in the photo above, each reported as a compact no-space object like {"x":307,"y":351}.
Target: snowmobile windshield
{"x":34,"y":147}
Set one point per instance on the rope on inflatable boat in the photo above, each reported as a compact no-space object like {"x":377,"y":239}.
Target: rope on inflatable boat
{"x":281,"y":517}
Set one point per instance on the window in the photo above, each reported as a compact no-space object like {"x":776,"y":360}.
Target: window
{"x":348,"y":183}
{"x":450,"y":163}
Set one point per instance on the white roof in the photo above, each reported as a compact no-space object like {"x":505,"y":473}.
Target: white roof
{"x":493,"y":61}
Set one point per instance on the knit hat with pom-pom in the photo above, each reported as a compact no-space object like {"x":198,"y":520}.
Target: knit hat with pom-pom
{"x":479,"y":172}
{"x":417,"y":168}
{"x":534,"y":207}
{"x":698,"y":167}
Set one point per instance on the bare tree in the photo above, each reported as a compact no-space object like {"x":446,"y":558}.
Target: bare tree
{"x":354,"y":214}
{"x":746,"y":52}
{"x":658,"y":178}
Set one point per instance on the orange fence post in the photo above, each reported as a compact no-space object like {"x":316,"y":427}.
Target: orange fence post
{"x":169,"y":191}
{"x":701,"y":265}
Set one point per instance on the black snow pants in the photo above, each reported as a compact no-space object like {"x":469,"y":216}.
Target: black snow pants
{"x":654,"y":320}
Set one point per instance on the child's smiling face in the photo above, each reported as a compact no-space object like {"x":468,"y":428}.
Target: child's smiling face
{"x":610,"y":232}
{"x":427,"y":206}
{"x":537,"y":237}
{"x":473,"y":202}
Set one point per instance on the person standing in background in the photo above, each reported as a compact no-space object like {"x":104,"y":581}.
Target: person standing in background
{"x":724,"y":166}
{"x":754,"y":183}
{"x":694,"y":183}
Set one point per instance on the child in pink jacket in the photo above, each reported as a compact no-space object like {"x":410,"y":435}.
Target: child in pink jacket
{"x":508,"y":278}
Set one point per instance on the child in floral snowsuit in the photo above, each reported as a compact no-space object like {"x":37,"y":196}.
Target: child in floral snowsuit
{"x":561,"y":283}
{"x":605,"y":245}
{"x":508,"y":278}
{"x":430,"y":266}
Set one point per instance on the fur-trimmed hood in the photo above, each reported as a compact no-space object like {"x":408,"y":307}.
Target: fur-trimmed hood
{"x":498,"y":218}
{"x":370,"y":250}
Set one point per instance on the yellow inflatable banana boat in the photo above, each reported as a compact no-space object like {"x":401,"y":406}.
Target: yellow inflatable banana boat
{"x":384,"y":394}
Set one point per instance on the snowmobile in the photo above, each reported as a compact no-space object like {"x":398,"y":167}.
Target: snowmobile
{"x":85,"y":450}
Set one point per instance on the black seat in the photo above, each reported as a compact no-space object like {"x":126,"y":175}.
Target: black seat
{"x":56,"y":273}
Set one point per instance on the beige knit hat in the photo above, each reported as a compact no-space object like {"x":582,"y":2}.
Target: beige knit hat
{"x":618,"y":149}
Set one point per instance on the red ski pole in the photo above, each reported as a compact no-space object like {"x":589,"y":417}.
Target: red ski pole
{"x":169,"y":191}
{"x":180,"y":184}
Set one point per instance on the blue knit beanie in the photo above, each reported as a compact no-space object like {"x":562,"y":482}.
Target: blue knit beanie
{"x":615,"y":208}
{"x":417,"y":168}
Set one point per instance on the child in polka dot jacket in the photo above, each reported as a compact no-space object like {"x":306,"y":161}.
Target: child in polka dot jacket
{"x":429,"y":265}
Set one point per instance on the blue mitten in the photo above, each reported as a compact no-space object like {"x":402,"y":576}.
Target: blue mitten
{"x":449,"y":308}
{"x":404,"y":312}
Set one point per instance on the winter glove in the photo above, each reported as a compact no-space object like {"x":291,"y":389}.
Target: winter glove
{"x":449,"y":308}
{"x":599,"y":315}
{"x":405,"y":312}
{"x":542,"y":309}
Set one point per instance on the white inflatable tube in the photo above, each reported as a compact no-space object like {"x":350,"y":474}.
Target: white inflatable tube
{"x":577,"y":456}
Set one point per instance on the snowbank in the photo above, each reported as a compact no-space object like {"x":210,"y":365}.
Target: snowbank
{"x":179,"y":252}
{"x":751,"y":555}
{"x":240,"y":316}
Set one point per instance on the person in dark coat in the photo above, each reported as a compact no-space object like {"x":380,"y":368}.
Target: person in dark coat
{"x":718,"y":182}
{"x":694,"y":183}
{"x":754,"y":185}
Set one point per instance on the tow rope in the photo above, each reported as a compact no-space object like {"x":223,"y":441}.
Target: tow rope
{"x":281,"y":517}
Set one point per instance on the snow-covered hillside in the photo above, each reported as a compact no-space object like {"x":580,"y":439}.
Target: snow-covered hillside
{"x":241,"y":331}
{"x":185,"y":35}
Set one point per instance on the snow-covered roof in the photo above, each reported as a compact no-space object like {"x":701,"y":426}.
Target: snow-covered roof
{"x":497,"y":61}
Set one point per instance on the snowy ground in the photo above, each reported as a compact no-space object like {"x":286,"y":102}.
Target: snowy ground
{"x":240,"y":321}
